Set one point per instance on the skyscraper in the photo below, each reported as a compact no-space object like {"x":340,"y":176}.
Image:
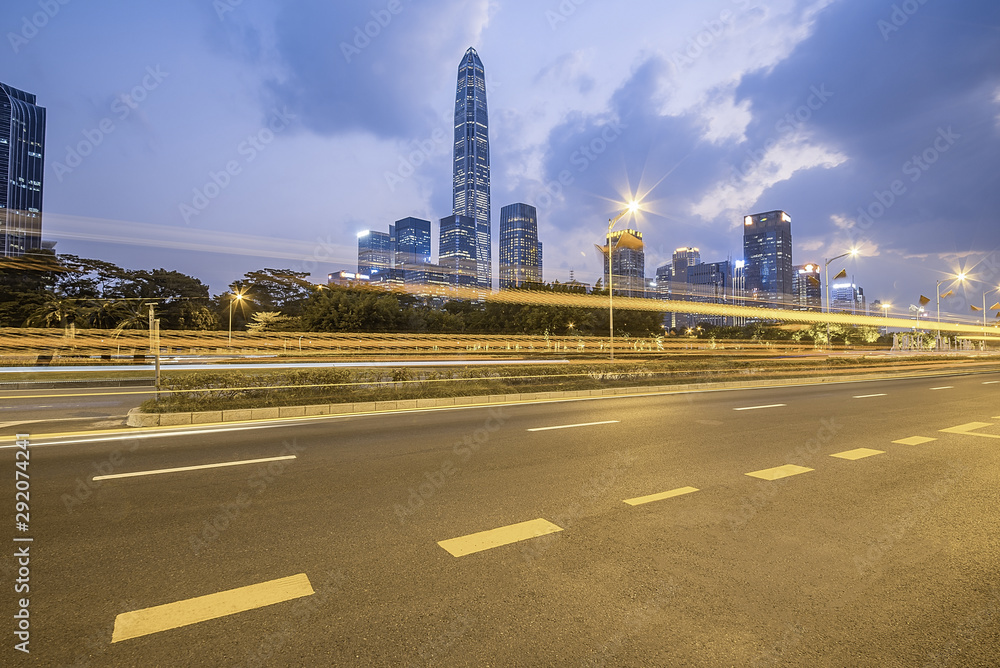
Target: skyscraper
{"x":807,"y":288}
{"x":767,"y":250}
{"x":684,"y":258}
{"x":412,"y":249}
{"x":22,"y":165}
{"x":520,"y":251}
{"x":471,"y":182}
{"x":628,"y":263}
{"x":457,"y":250}
{"x":374,"y":256}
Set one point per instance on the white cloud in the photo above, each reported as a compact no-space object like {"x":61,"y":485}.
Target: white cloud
{"x":790,"y":155}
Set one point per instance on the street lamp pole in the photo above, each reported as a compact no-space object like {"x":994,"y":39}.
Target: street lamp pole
{"x":826,"y":278}
{"x":632,"y":208}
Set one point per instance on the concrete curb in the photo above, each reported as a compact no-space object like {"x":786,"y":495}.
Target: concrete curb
{"x":136,"y":418}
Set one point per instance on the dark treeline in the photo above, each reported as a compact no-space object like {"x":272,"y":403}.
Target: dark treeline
{"x":49,"y":290}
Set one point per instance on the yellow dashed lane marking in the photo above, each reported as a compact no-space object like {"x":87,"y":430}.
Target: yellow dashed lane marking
{"x":860,"y":453}
{"x":914,"y":440}
{"x":193,"y":610}
{"x":967,"y":429}
{"x":779,"y":472}
{"x":487,"y":540}
{"x":638,"y":501}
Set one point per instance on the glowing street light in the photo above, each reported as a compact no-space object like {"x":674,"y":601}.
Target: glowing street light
{"x":960,"y":278}
{"x":237,"y":296}
{"x":633,"y":208}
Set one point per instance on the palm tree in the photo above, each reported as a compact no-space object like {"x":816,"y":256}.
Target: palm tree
{"x":59,"y":310}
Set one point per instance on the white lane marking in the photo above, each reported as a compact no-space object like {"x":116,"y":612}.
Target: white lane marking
{"x":135,"y":474}
{"x":870,"y":396}
{"x":946,"y":387}
{"x":573,"y":426}
{"x":757,"y":408}
{"x":992,"y":382}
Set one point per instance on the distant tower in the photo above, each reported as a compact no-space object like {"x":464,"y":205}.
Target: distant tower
{"x":471,"y":183}
{"x":374,"y":255}
{"x":767,"y":250}
{"x":22,"y":165}
{"x":807,"y":288}
{"x":520,"y":251}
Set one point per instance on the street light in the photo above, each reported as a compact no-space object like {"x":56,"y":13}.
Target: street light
{"x":885,"y":312}
{"x":633,"y":208}
{"x":237,"y":297}
{"x":826,"y":276}
{"x":961,"y":279}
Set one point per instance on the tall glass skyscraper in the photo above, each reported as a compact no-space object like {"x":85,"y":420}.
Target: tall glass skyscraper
{"x":22,"y":163}
{"x":767,"y":249}
{"x":520,"y":250}
{"x":471,"y":183}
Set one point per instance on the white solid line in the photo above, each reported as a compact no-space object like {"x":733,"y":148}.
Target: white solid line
{"x":755,"y":408}
{"x":571,"y":426}
{"x":870,"y":396}
{"x":947,"y":387}
{"x":192,"y":468}
{"x":992,"y":382}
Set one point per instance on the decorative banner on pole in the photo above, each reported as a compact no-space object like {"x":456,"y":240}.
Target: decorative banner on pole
{"x":947,"y":294}
{"x":924,"y":301}
{"x":842,"y":274}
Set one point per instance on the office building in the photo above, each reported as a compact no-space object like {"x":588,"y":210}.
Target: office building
{"x":412,"y":249}
{"x":684,"y":258}
{"x":457,"y":251}
{"x":347,"y":279}
{"x":471,"y":173}
{"x":520,"y":250}
{"x":22,"y":166}
{"x":807,"y":288}
{"x":848,"y":298}
{"x":374,"y":255}
{"x":628,"y":263}
{"x":767,"y":250}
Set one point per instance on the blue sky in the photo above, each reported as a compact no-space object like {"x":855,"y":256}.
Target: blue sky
{"x":223,"y":136}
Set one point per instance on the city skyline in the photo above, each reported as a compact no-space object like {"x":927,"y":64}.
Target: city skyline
{"x":702,"y":104}
{"x":22,"y":153}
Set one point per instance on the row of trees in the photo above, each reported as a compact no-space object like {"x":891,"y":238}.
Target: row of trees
{"x":49,"y":290}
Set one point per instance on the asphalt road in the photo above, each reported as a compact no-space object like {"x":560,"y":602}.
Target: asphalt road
{"x":67,"y":410}
{"x":892,"y":559}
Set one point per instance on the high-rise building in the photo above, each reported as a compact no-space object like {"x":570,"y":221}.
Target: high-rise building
{"x":711,"y":283}
{"x":848,"y":297}
{"x":767,"y":250}
{"x":22,"y":166}
{"x":807,"y":288}
{"x":520,"y":250}
{"x":374,"y":256}
{"x":412,"y":249}
{"x":471,"y":181}
{"x":457,"y":250}
{"x":628,"y":263}
{"x":684,"y":258}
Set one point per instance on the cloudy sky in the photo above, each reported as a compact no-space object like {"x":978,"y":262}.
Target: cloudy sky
{"x":217,"y":137}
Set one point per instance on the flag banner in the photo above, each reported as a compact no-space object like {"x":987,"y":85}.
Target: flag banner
{"x":976,"y":308}
{"x":842,"y":274}
{"x":947,"y":294}
{"x":924,"y":301}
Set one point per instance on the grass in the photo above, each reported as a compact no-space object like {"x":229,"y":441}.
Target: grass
{"x":194,"y":391}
